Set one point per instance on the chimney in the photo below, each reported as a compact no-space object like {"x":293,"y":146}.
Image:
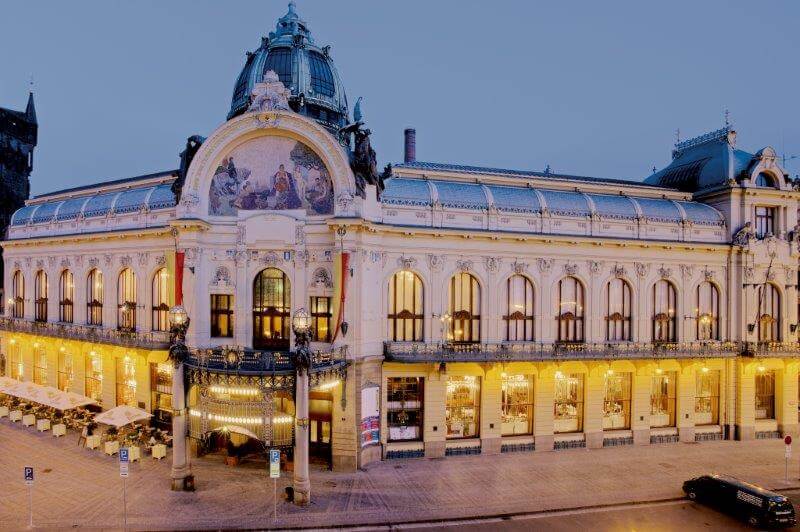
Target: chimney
{"x":410,"y":145}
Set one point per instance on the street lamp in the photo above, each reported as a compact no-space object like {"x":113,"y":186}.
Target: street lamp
{"x":301,"y":359}
{"x":182,"y":478}
{"x":301,"y":325}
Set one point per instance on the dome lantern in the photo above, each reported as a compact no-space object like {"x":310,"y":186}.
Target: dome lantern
{"x":306,"y":69}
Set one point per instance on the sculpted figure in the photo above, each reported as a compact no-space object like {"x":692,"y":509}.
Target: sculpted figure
{"x":744,"y":235}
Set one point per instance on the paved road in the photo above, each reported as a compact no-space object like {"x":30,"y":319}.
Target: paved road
{"x":78,"y":487}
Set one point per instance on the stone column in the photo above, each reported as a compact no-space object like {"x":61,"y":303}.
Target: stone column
{"x":302,"y":483}
{"x":181,"y":466}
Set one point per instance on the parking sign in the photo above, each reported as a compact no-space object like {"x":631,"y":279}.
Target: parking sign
{"x":29,"y":476}
{"x":123,"y":454}
{"x":274,"y":463}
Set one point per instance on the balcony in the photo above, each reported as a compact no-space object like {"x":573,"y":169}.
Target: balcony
{"x":771,"y":349}
{"x":533,"y":351}
{"x":155,"y":340}
{"x":244,"y":361}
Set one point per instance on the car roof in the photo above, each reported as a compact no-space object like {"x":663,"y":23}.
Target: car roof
{"x":752,"y":488}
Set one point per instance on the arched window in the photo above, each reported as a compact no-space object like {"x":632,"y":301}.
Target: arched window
{"x":18,"y":295}
{"x":664,"y":312}
{"x":519,"y":309}
{"x":126,"y":300}
{"x":271,"y":310}
{"x":66,"y":297}
{"x":764,"y":180}
{"x":707,"y":311}
{"x":94,"y":297}
{"x":464,"y":325}
{"x":160,"y":298}
{"x":40,"y":296}
{"x":570,"y":310}
{"x":769,"y":318}
{"x":618,"y":311}
{"x":406,"y":307}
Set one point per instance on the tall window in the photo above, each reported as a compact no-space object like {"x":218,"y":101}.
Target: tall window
{"x":707,"y":311}
{"x":406,"y":307}
{"x":321,"y":319}
{"x":706,"y":402}
{"x":94,"y":376}
{"x":39,"y":364}
{"x":462,"y":406}
{"x":221,"y":316}
{"x":664,"y":319}
{"x":570,"y":310}
{"x":765,"y":221}
{"x":465,"y":309}
{"x":404,"y":407}
{"x":126,"y":300}
{"x":618,"y":311}
{"x":160,"y":299}
{"x":519,"y":309}
{"x":16,"y":367}
{"x":66,"y":297}
{"x":769,"y":319}
{"x":126,"y":381}
{"x":66,"y":371}
{"x":18,"y":295}
{"x":271,"y":309}
{"x":517,"y":404}
{"x":94,"y":297}
{"x":663,"y":399}
{"x":765,"y":395}
{"x":568,"y":403}
{"x":617,"y":402}
{"x":40,"y":295}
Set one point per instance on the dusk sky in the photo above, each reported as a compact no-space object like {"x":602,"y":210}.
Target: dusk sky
{"x":590,"y":88}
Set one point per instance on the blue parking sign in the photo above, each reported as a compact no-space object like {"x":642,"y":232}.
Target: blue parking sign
{"x":123,"y":454}
{"x":274,"y":463}
{"x":28,"y":475}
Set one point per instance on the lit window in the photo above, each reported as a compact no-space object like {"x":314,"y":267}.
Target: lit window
{"x":66,"y":297}
{"x":406,"y":307}
{"x":39,"y":365}
{"x":664,"y":319}
{"x":404,"y":407}
{"x":706,"y":403}
{"x":18,"y":295}
{"x":126,"y":300}
{"x":617,"y":401}
{"x":40,"y":296}
{"x":271,"y":309}
{"x":462,"y":406}
{"x":321,"y":319}
{"x":663,"y":399}
{"x":464,"y":325}
{"x":707,"y":311}
{"x":221,"y":316}
{"x":94,"y":376}
{"x":160,"y":298}
{"x":66,"y":371}
{"x":519,"y":309}
{"x":568,"y":403}
{"x":126,"y":381}
{"x":570,"y":310}
{"x":769,"y":319}
{"x":94,"y":297}
{"x":517,"y":404}
{"x":765,"y":395}
{"x":618,"y":311}
{"x":16,"y":367}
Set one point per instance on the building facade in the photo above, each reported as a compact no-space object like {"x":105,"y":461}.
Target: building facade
{"x":454,"y":309}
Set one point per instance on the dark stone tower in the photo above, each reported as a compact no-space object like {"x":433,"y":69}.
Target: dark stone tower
{"x":18,"y":135}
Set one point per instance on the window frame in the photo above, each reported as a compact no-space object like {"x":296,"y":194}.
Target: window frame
{"x":18,"y":295}
{"x":40,"y":293}
{"x":159,"y":297}
{"x":619,"y":324}
{"x":66,"y":299}
{"x":516,"y":318}
{"x":398,"y":390}
{"x":399,"y":317}
{"x":278,"y":316}
{"x":95,"y":286}
{"x":320,"y":316}
{"x":464,"y":325}
{"x":665,"y":317}
{"x":571,"y":314}
{"x":217,"y":311}
{"x":126,"y":305}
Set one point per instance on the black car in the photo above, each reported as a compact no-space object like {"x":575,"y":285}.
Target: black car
{"x":757,"y":506}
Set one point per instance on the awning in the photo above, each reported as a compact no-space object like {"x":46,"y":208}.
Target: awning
{"x":236,"y":429}
{"x":122,"y":415}
{"x":45,"y":395}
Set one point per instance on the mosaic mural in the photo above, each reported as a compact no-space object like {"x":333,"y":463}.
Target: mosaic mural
{"x":271,"y":173}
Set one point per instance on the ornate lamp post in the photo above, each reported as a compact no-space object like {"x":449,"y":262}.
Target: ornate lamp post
{"x":301,"y":358}
{"x":182,"y":478}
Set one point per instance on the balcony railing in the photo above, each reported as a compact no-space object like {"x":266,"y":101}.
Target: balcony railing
{"x":771,"y":349}
{"x":242,"y":360}
{"x":533,"y":351}
{"x":87,"y":333}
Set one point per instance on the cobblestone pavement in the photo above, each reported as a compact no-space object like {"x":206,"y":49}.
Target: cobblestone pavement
{"x":76,"y":487}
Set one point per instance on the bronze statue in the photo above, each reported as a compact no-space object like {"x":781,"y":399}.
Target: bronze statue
{"x":193,"y":144}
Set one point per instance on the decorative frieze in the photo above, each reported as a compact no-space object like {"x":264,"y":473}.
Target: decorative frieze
{"x":492,"y":264}
{"x":545,"y":265}
{"x":406,"y":263}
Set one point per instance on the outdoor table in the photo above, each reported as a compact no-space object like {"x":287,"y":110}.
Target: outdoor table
{"x":43,"y":425}
{"x":159,"y":451}
{"x":15,"y":415}
{"x":111,"y":447}
{"x":28,"y":420}
{"x":93,"y":441}
{"x":59,"y":429}
{"x":134,"y":453}
{"x":3,"y":411}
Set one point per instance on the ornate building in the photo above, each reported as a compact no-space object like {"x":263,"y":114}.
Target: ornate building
{"x":18,"y":136}
{"x":460,"y":310}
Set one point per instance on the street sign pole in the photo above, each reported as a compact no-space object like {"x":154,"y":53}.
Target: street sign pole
{"x":275,"y":473}
{"x":788,"y":441}
{"x":28,"y":475}
{"x":123,"y":472}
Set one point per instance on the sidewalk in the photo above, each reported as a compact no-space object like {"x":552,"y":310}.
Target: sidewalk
{"x":77,"y":487}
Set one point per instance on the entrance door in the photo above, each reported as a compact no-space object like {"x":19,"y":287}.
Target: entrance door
{"x":320,"y":426}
